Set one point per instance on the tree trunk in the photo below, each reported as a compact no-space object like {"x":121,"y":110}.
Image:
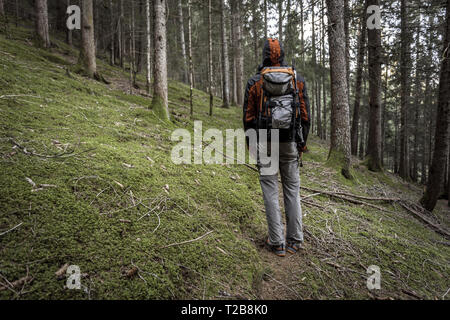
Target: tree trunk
{"x":448,"y":179}
{"x":132,"y":48}
{"x":225,"y":61}
{"x":120,"y":33}
{"x":210,"y":60}
{"x":324,"y":93}
{"x":362,"y":140}
{"x":254,"y":3}
{"x":405,"y":91}
{"x":374,"y":147}
{"x":182,"y":41}
{"x":340,"y":123}
{"x":148,"y":43}
{"x":384,"y":111}
{"x":238,"y":55}
{"x":417,"y":105}
{"x":40,"y":7}
{"x":442,"y":135}
{"x":319,"y":90}
{"x":160,"y":94}
{"x":358,"y":84}
{"x":302,"y":34}
{"x":266,"y":34}
{"x":280,"y":20}
{"x":191,"y":66}
{"x":314,"y":61}
{"x":347,"y":45}
{"x":87,"y":52}
{"x":113,"y":33}
{"x":2,"y":9}
{"x":17,"y":13}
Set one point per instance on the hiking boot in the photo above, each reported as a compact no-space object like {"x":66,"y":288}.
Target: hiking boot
{"x":278,"y":250}
{"x":293,"y":247}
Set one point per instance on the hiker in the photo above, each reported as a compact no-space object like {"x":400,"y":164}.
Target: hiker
{"x":276,"y":99}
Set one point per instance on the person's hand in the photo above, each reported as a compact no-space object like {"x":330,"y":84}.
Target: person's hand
{"x":302,"y":149}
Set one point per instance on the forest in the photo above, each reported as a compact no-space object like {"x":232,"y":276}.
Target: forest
{"x":91,"y":90}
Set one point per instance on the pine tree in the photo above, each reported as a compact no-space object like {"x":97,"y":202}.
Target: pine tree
{"x":42,"y":33}
{"x":442,"y":135}
{"x":160,"y":94}
{"x":340,"y":123}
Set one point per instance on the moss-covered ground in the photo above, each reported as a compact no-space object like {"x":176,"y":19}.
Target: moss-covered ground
{"x":112,"y":202}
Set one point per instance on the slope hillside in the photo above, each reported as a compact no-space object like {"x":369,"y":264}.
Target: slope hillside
{"x":87,"y":179}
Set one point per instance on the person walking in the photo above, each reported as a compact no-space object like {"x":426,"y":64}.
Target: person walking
{"x":276,"y":105}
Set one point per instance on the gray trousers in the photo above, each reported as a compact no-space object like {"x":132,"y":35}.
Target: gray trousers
{"x":289,"y":171}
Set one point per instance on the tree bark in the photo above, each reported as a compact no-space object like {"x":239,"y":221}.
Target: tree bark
{"x":266,"y":34}
{"x":148,"y":45}
{"x":448,"y":179}
{"x":405,"y":91}
{"x":340,"y":123}
{"x":191,"y":65}
{"x":41,"y":10}
{"x":417,"y":105}
{"x":87,"y":53}
{"x":160,"y":94}
{"x":238,"y":54}
{"x":210,"y":60}
{"x":182,"y":40}
{"x":324,"y":93}
{"x":120,"y":33}
{"x":442,"y":135}
{"x":347,"y":45}
{"x":225,"y":58}
{"x":374,"y":147}
{"x":319,"y":91}
{"x":302,"y":34}
{"x":280,"y":20}
{"x":358,"y":84}
{"x":112,"y":57}
{"x":254,"y":4}
{"x":314,"y":61}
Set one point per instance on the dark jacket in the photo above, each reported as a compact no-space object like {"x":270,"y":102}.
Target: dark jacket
{"x":273,"y":56}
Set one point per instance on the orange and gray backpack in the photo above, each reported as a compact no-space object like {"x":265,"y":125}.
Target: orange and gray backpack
{"x":279,"y":107}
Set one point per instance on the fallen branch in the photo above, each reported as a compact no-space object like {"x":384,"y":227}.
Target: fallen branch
{"x":426,"y":221}
{"x":188,"y":241}
{"x":350,"y":195}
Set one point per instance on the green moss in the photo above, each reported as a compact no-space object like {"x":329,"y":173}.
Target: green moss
{"x":113,"y":135}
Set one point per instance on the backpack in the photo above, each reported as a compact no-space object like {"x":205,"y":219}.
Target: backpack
{"x":279,"y":107}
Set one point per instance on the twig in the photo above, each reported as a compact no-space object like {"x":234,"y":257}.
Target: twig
{"x":18,"y":95}
{"x":285,"y":286}
{"x":188,"y":241}
{"x":15,"y":284}
{"x":3,"y":233}
{"x":60,"y":155}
